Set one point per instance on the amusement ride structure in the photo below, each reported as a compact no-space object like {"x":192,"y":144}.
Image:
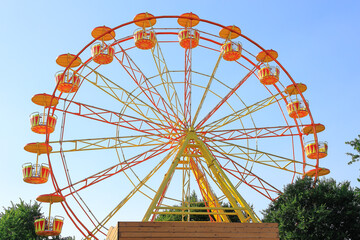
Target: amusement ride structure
{"x":175,"y":105}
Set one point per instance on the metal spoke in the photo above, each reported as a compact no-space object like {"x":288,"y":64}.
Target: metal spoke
{"x":166,"y":79}
{"x":206,"y":90}
{"x":132,"y":192}
{"x":187,"y":86}
{"x":240,"y":113}
{"x":112,"y":117}
{"x":108,"y":143}
{"x":224,"y":99}
{"x":128,"y":99}
{"x":148,"y":89}
{"x":242,"y":174}
{"x":245,"y":154}
{"x":117,"y":168}
{"x":252,"y":133}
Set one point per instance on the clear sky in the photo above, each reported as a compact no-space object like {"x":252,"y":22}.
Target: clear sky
{"x":317,"y":42}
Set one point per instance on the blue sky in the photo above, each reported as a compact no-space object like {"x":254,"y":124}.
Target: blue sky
{"x":317,"y":42}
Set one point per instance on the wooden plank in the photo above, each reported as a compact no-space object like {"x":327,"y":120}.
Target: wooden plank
{"x":197,"y":231}
{"x":196,"y":224}
{"x":195,"y":235}
{"x":194,"y":228}
{"x":217,"y":238}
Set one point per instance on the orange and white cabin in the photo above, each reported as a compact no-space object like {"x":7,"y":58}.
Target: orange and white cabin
{"x":231,"y":51}
{"x":269,"y":75}
{"x":311,"y":149}
{"x":67,"y":81}
{"x":42,"y":123}
{"x":35,"y":173}
{"x":189,"y":38}
{"x":297,"y":109}
{"x":48,"y":227}
{"x":144,"y":39}
{"x":102,"y":54}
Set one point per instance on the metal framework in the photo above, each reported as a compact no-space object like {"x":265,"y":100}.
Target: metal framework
{"x":190,"y":122}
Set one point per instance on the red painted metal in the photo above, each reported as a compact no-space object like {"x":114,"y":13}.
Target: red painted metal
{"x":166,"y":113}
{"x":114,"y":118}
{"x":117,"y":168}
{"x":150,"y":92}
{"x":187,"y":87}
{"x":222,"y":101}
{"x":262,"y":187}
{"x":250,"y":133}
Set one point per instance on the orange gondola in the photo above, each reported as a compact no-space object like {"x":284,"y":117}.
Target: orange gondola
{"x":297,"y":109}
{"x":102,"y":54}
{"x":189,"y":38}
{"x":312,"y":149}
{"x":231,"y":51}
{"x":144,"y":39}
{"x":269,"y":75}
{"x":35,"y":173}
{"x":49,"y":226}
{"x":42,"y":123}
{"x":67,"y":81}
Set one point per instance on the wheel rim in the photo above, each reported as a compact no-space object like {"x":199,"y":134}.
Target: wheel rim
{"x":218,"y":136}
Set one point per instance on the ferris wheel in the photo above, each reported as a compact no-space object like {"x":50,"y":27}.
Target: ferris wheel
{"x":160,"y":106}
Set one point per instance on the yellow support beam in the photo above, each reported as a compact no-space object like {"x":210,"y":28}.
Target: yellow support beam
{"x":208,"y":194}
{"x":226,"y":186}
{"x":166,"y":179}
{"x":245,"y":213}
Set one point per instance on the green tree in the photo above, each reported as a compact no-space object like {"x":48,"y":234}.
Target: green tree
{"x":17,"y":222}
{"x":193,"y":202}
{"x":325,"y":210}
{"x":355,"y":157}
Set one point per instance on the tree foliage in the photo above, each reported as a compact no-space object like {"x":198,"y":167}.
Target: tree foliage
{"x":356,"y":145}
{"x":193,"y":202}
{"x":325,"y":210}
{"x":17,"y":222}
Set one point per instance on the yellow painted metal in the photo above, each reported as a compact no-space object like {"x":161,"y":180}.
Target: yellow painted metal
{"x":206,"y":90}
{"x":166,"y":80}
{"x":246,"y":215}
{"x":185,"y":189}
{"x":199,"y":213}
{"x":167,"y":177}
{"x":127,"y":98}
{"x":110,"y":143}
{"x":226,"y":185}
{"x":198,"y":208}
{"x":257,"y":156}
{"x":131,"y":194}
{"x":241,"y":113}
{"x":208,"y":194}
